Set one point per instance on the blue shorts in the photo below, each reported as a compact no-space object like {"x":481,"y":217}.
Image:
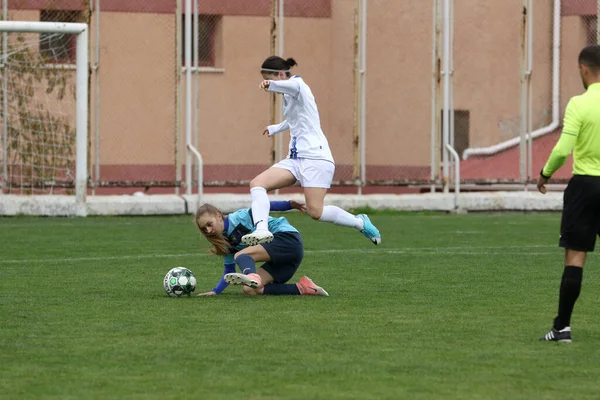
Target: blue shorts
{"x":286,"y":252}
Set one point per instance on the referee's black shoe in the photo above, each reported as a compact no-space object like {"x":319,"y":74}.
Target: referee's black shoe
{"x":564,"y":335}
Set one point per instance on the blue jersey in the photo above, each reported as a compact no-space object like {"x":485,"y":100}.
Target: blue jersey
{"x":240,"y":223}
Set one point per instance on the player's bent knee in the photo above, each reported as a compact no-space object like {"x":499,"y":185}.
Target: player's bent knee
{"x":315,"y":212}
{"x":257,"y":182}
{"x":247,"y":251}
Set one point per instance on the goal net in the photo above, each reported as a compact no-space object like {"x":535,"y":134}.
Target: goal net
{"x":43,"y":109}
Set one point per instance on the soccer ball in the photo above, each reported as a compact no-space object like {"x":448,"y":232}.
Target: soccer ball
{"x":179,"y":282}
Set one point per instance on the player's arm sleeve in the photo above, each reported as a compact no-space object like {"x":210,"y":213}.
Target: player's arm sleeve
{"x":278,"y":128}
{"x":290,"y":87}
{"x":281,"y":205}
{"x":566,"y":142}
{"x":228,"y":268}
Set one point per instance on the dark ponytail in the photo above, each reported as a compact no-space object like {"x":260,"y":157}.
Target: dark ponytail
{"x":275,"y":63}
{"x":290,"y":62}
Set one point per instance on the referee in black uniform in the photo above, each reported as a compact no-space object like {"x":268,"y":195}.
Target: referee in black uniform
{"x":580,"y":221}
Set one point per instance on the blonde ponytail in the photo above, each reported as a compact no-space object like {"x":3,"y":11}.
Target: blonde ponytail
{"x":220,"y":245}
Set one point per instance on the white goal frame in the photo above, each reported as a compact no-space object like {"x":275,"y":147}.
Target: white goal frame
{"x":81,"y":94}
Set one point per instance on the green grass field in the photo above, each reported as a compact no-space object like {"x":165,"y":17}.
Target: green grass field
{"x":448,"y":307}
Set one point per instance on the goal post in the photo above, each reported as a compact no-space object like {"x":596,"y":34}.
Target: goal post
{"x":80,"y":30}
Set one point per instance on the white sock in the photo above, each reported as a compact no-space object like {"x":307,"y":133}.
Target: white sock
{"x":340,"y":217}
{"x":260,"y":208}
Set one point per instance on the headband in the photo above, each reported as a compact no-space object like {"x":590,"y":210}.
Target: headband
{"x":274,"y":70}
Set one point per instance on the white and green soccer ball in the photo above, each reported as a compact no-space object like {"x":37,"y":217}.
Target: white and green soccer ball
{"x":179,"y":282}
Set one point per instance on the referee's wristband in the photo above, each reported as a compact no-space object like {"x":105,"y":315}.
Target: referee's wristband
{"x":542,"y":174}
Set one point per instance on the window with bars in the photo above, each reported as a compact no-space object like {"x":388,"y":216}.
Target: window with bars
{"x":591,"y":24}
{"x":209,"y":30}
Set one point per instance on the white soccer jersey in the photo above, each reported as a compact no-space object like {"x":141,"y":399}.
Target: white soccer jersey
{"x":307,"y":139}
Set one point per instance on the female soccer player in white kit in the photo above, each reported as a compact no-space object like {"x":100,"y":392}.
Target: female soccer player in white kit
{"x":309,"y":160}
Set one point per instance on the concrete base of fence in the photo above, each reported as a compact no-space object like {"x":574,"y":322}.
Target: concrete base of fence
{"x":171,"y":204}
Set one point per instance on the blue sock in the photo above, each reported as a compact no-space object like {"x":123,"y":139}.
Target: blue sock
{"x":281,"y":288}
{"x":246,"y":264}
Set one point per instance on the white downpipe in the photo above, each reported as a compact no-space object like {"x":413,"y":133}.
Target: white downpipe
{"x":446,"y":101}
{"x":200,"y":176}
{"x":188,"y":94}
{"x":456,"y":175}
{"x":363,"y":96}
{"x":485,"y":151}
{"x":195,"y":80}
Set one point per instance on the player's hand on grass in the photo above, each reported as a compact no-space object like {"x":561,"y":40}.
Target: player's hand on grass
{"x":264,"y":85}
{"x":297,"y":205}
{"x":541,"y":185}
{"x":207,"y":294}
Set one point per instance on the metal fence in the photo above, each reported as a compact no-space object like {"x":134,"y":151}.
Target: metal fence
{"x":402,"y":87}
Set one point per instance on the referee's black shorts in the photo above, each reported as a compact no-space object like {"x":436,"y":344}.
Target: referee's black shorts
{"x":580,"y":221}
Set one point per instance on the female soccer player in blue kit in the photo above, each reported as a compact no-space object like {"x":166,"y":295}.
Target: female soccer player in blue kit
{"x":309,"y":161}
{"x":282,"y":256}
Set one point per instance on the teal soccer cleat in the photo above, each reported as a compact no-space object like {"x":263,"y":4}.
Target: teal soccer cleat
{"x":369,"y":230}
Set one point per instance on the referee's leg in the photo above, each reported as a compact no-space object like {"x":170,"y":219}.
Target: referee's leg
{"x":580,"y":223}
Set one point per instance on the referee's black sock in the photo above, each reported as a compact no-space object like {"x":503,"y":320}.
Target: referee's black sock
{"x":570,"y":286}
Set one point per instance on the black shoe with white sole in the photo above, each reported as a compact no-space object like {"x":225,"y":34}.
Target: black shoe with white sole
{"x":555,"y":335}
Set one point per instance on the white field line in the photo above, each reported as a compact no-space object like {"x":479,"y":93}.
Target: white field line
{"x":458,"y":250}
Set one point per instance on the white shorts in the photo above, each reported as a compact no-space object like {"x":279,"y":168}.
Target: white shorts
{"x":309,"y":172}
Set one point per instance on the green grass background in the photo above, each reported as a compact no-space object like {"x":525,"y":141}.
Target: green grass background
{"x":448,"y":307}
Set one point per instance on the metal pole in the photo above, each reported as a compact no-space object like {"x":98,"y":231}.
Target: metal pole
{"x":177,"y":94}
{"x":523,"y":142}
{"x":529,"y":90}
{"x":451,"y":72}
{"x":200,"y":173}
{"x":451,"y":79}
{"x":456,"y":175}
{"x":195,"y":79}
{"x":280,"y":42}
{"x":279,"y":102}
{"x":446,"y":106}
{"x":435,"y":93}
{"x":273,"y":98}
{"x":363,"y":96}
{"x":5,"y":99}
{"x":97,"y":100}
{"x":356,"y":125}
{"x":81,"y":173}
{"x":188,"y":94}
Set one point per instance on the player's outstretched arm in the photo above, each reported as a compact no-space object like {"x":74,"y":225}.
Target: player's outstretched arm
{"x":287,"y":205}
{"x":290,"y":87}
{"x":227,"y":269}
{"x":277,"y":128}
